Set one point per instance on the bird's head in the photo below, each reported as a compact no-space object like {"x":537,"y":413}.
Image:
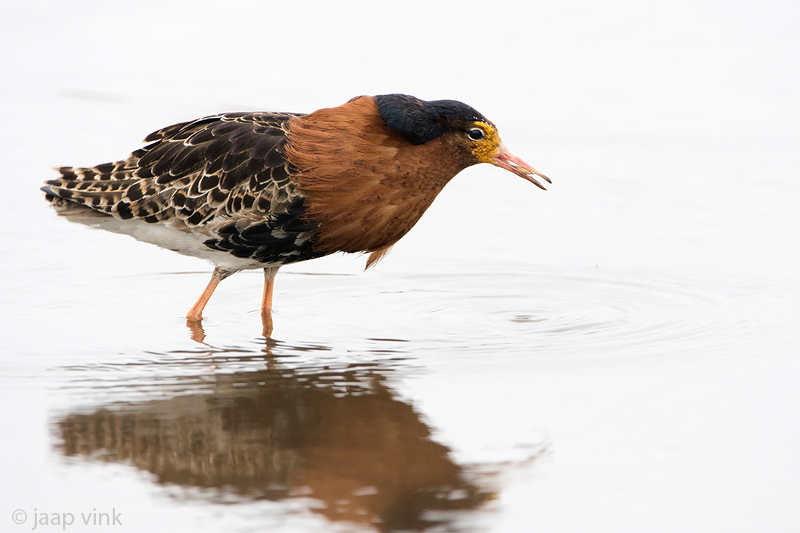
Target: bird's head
{"x":420,"y":121}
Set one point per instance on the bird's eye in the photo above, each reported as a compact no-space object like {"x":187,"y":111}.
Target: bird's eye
{"x":476,"y":134}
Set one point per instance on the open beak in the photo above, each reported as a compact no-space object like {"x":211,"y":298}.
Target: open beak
{"x":507,"y":160}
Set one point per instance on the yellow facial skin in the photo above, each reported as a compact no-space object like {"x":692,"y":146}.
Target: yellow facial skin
{"x":486,"y":149}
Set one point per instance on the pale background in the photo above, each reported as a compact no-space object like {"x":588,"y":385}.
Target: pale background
{"x":621,"y":350}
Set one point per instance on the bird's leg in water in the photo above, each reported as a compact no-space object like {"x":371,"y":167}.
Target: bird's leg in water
{"x":266,"y":301}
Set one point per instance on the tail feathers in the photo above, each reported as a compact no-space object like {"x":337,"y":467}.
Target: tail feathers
{"x":120,"y":195}
{"x":90,"y":187}
{"x":105,"y":172}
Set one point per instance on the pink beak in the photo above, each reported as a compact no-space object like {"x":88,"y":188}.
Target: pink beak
{"x":509,"y":161}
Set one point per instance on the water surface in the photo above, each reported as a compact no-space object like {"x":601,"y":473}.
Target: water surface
{"x":619,"y":353}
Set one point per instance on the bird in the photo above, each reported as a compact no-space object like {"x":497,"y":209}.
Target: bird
{"x":259,"y":190}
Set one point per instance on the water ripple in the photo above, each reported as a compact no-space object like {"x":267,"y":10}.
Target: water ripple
{"x":598,"y":313}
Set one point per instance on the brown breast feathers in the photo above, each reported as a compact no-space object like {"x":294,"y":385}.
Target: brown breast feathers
{"x":365,"y":185}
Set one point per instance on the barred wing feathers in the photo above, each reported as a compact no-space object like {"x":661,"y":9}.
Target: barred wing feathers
{"x":223,"y":178}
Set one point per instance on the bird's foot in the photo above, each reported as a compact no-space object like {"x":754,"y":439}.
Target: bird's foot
{"x":195,"y":326}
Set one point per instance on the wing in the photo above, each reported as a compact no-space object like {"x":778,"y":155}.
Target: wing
{"x":223,"y":176}
{"x":193,"y":171}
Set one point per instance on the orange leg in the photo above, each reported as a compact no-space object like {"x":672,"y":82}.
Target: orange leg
{"x":196,"y":312}
{"x":266,"y":301}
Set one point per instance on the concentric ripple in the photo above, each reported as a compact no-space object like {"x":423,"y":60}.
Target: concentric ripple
{"x":596,"y":313}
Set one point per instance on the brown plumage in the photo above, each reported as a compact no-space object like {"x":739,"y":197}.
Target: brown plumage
{"x":259,"y":190}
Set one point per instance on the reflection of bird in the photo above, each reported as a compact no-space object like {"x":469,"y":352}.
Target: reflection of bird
{"x":260,"y":190}
{"x":338,"y":436}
